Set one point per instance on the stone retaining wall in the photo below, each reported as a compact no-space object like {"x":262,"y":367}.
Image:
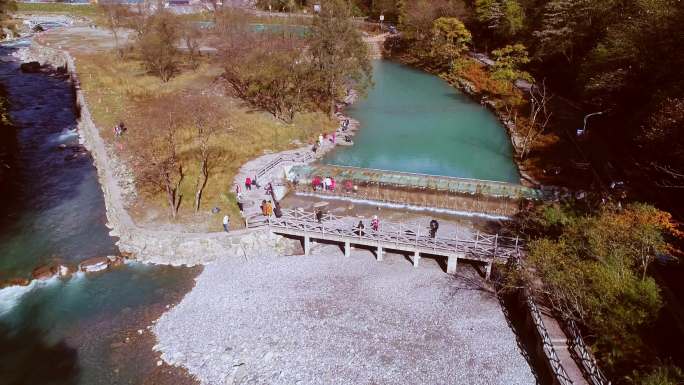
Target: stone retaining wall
{"x":147,"y":245}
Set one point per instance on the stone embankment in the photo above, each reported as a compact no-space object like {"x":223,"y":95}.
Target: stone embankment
{"x":147,"y":245}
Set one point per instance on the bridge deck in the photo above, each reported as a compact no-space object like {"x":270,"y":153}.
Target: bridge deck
{"x":395,"y":236}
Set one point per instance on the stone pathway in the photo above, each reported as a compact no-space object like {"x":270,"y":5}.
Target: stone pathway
{"x":271,"y":168}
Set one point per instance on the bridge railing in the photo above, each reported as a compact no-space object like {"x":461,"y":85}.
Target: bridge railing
{"x":399,"y":234}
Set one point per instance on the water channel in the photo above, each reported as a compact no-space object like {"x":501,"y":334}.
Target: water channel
{"x":71,"y":330}
{"x":415,"y":122}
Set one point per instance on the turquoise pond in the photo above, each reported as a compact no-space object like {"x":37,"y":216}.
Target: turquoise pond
{"x":413,"y":121}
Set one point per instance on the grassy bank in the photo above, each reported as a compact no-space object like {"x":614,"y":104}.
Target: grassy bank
{"x":83,"y":10}
{"x":121,"y":90}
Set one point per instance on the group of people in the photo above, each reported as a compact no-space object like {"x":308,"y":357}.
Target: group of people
{"x":251,"y":182}
{"x":375,"y":225}
{"x":268,"y":209}
{"x":326,"y":184}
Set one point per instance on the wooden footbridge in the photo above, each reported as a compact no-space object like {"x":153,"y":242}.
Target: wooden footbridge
{"x":407,"y":239}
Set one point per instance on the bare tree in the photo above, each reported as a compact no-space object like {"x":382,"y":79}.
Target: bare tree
{"x":191,"y":36}
{"x":115,"y":15}
{"x":206,"y":123}
{"x":156,"y":154}
{"x":538,"y":119}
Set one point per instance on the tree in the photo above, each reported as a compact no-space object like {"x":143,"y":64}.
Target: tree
{"x":158,"y":45}
{"x":7,"y":8}
{"x":503,"y":17}
{"x":339,"y":55}
{"x":507,"y":63}
{"x":191,"y":36}
{"x":206,"y":124}
{"x":450,"y":38}
{"x":538,"y":119}
{"x":591,"y":268}
{"x":665,"y":129}
{"x":271,"y":73}
{"x":156,"y":151}
{"x":559,"y":29}
{"x":659,"y":375}
{"x":115,"y":15}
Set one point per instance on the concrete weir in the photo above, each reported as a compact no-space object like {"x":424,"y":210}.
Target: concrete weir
{"x":420,"y":190}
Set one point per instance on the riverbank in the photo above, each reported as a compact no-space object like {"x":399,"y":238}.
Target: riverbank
{"x":329,"y":319}
{"x":148,"y":245}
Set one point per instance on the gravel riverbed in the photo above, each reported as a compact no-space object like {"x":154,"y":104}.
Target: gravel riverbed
{"x":324,"y":319}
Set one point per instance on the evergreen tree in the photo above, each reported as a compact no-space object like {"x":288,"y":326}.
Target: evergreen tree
{"x":339,"y":55}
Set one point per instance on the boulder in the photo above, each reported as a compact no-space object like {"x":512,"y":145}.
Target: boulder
{"x":30,"y":67}
{"x":94,"y":264}
{"x":50,"y":270}
{"x":15,"y":282}
{"x":115,"y":260}
{"x":45,"y":271}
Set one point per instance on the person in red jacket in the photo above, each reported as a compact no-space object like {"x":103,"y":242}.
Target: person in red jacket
{"x":248,"y":183}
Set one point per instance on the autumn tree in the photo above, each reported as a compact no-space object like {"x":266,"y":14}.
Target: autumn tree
{"x":450,"y":38}
{"x":339,"y":55}
{"x":158,"y":45}
{"x":592,"y":268}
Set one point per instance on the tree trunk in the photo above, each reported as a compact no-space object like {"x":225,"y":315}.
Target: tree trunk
{"x":202,"y":178}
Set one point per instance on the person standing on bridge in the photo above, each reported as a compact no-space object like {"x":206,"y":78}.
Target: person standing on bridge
{"x":248,"y":184}
{"x":375,"y":223}
{"x":359,"y":229}
{"x":434,"y":225}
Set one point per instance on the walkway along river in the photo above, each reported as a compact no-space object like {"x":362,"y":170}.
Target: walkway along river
{"x":82,"y":329}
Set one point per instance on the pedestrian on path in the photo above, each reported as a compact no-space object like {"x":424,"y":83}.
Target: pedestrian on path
{"x":277,"y":211}
{"x":264,"y":210}
{"x":239,"y":201}
{"x":248,"y":184}
{"x":375,"y":223}
{"x":319,"y":215}
{"x":226,"y":223}
{"x":269,"y":209}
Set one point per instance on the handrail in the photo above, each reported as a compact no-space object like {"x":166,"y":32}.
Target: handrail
{"x":283,"y":158}
{"x":583,"y":355}
{"x":550,"y":352}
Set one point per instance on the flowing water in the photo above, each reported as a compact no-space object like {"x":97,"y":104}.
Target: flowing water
{"x":70,"y":330}
{"x":415,"y":122}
